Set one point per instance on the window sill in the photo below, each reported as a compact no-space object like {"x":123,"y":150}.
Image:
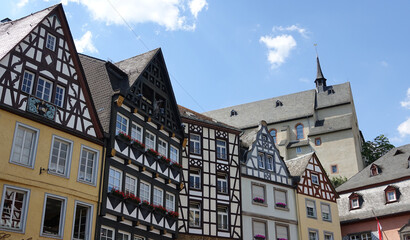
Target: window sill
{"x":314,"y":217}
{"x":282,"y":209}
{"x":260,"y":204}
{"x":327,"y":220}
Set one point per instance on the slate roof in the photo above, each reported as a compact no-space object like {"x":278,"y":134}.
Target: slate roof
{"x":297,"y":166}
{"x":393,"y":167}
{"x":294,"y":106}
{"x":11,"y":33}
{"x":249,"y":137}
{"x":100,"y":86}
{"x":332,"y":124}
{"x":190,"y":114}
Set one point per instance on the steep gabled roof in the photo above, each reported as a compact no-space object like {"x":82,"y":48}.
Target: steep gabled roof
{"x":297,"y":166}
{"x":394,"y":166}
{"x":11,"y":33}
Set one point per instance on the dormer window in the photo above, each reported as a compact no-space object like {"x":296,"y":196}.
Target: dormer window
{"x":279,"y":103}
{"x":391,"y":194}
{"x":315,"y":179}
{"x":233,"y":113}
{"x":374,"y":170}
{"x":355,"y":201}
{"x":51,"y":42}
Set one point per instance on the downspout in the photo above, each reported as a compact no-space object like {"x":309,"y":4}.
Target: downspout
{"x":99,"y":203}
{"x":298,"y":213}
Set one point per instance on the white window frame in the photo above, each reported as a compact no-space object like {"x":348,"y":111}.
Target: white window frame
{"x":329,"y":219}
{"x":142,"y":197}
{"x":313,"y":231}
{"x":174,"y":155}
{"x":269,"y":162}
{"x":219,"y":186}
{"x":195,"y":147}
{"x":62,"y":216}
{"x":68,"y":159}
{"x":107,"y":229}
{"x":162,"y":147}
{"x":44,"y":87}
{"x":158,"y":196}
{"x":114,"y":186}
{"x":24,"y":82}
{"x":95,"y":167}
{"x":121,"y":123}
{"x":196,"y":179}
{"x":194,"y":210}
{"x":388,"y":195}
{"x":315,"y":178}
{"x":356,"y":201}
{"x":276,"y":192}
{"x":51,"y":36}
{"x":138,"y":237}
{"x":24,"y":209}
{"x":314,"y":208}
{"x":169,"y":204}
{"x":123,"y":234}
{"x":328,"y":234}
{"x":261,"y":160}
{"x":221,"y":147}
{"x":129,"y":187}
{"x":150,"y":143}
{"x":136,"y":132}
{"x":224,"y":216}
{"x":89,"y":219}
{"x":33,"y":147}
{"x":56,"y":99}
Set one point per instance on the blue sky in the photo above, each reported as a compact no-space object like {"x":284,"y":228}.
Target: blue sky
{"x":224,"y":53}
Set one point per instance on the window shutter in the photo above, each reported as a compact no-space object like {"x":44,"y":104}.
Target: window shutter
{"x":282,"y":232}
{"x":258,"y":191}
{"x":326,"y":209}
{"x":259,"y":228}
{"x":310,"y":204}
{"x":280,"y":197}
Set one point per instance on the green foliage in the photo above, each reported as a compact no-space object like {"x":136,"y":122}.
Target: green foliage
{"x":337,"y":181}
{"x":373,"y":150}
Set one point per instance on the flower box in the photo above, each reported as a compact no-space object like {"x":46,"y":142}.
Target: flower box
{"x":282,"y":239}
{"x":171,"y":217}
{"x":123,"y":136}
{"x":137,"y":144}
{"x":163,"y":162}
{"x":281,"y":204}
{"x":259,"y":200}
{"x":259,"y":237}
{"x":146,"y":208}
{"x":115,"y":197}
{"x":131,"y":202}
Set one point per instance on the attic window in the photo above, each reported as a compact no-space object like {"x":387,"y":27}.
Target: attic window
{"x":398,"y":151}
{"x":408,"y":161}
{"x":355,"y":201}
{"x":375,"y":170}
{"x":330,"y":91}
{"x":51,"y":42}
{"x":391,"y":194}
{"x":279,"y":103}
{"x":147,"y":94}
{"x":233,"y":113}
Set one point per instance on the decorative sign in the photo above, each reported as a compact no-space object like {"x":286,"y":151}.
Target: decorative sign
{"x":40,"y":107}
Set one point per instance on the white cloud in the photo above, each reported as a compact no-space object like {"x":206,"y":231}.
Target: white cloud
{"x":22,"y":3}
{"x":406,"y":102}
{"x":279,"y":48}
{"x":293,"y":28}
{"x":404,"y":128}
{"x":85,"y":44}
{"x":384,"y":63}
{"x":196,"y":6}
{"x":170,"y":14}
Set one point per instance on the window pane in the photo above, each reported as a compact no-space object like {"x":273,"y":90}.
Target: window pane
{"x":59,"y":157}
{"x":170,"y":202}
{"x":158,"y":198}
{"x":87,"y":166}
{"x":27,"y":82}
{"x":174,"y":154}
{"x":59,"y":98}
{"x":121,"y":125}
{"x":144,"y":192}
{"x":81,"y":222}
{"x":52,"y":217}
{"x":12,"y":212}
{"x":106,"y":234}
{"x":23,"y":148}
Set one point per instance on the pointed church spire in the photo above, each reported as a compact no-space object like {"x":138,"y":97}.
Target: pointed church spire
{"x":320,"y":79}
{"x":319,"y":69}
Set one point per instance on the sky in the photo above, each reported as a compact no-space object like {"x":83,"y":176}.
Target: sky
{"x":224,"y":53}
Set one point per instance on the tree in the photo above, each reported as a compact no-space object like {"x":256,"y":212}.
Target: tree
{"x":337,"y":181}
{"x":373,"y":150}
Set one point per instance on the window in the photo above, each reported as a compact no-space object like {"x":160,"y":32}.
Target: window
{"x":130,"y":185}
{"x":28,"y":79}
{"x":223,"y":218}
{"x":145,"y":191}
{"x":114,"y":179}
{"x":318,"y":141}
{"x":334,"y":169}
{"x":170,"y":201}
{"x":88,"y":165}
{"x":299,"y":131}
{"x":51,"y":42}
{"x":59,"y":98}
{"x":311,"y":208}
{"x":53,"y":216}
{"x":282,"y":232}
{"x":313,"y":235}
{"x":149,"y":140}
{"x":374,"y":170}
{"x":138,"y":237}
{"x":328,"y":236}
{"x":60,"y":156}
{"x":269,"y":163}
{"x":13,"y":208}
{"x":391,"y":194}
{"x":326,"y":214}
{"x":281,"y":200}
{"x":162,"y":147}
{"x":361,"y":236}
{"x":355,"y":201}
{"x":136,"y":132}
{"x":259,"y":228}
{"x":174,"y":154}
{"x":261,"y":160}
{"x":221,"y":149}
{"x":258,"y":193}
{"x":194,"y":215}
{"x":121,"y":124}
{"x":273,"y":133}
{"x":298,"y":150}
{"x":222,"y":184}
{"x":195,"y":179}
{"x":106,"y":233}
{"x":158,"y":196}
{"x":44,"y":88}
{"x":82,"y":221}
{"x":195,"y":144}
{"x":122,"y":236}
{"x":24,"y":145}
{"x":315,"y":179}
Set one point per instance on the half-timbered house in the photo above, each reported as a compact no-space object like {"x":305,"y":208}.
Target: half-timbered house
{"x":210,"y":201}
{"x":268,"y":197}
{"x":318,"y":216}
{"x":50,"y":135}
{"x":137,"y":107}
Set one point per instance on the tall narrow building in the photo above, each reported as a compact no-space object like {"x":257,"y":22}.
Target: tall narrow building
{"x":140,"y":117}
{"x":50,"y":136}
{"x":210,"y":201}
